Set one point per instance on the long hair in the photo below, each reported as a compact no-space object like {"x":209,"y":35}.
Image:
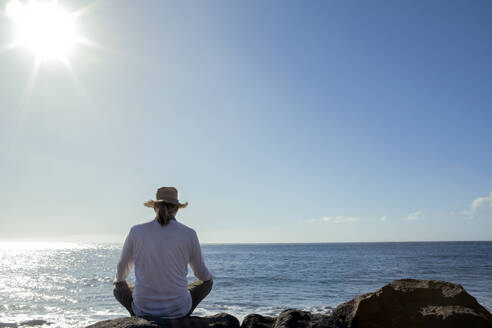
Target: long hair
{"x":165,"y":213}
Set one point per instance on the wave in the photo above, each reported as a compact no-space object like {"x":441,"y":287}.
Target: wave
{"x":28,"y":323}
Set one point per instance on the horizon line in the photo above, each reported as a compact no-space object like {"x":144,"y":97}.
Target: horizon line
{"x":248,"y":243}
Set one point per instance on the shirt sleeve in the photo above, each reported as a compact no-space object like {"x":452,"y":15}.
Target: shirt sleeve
{"x":125,"y":264}
{"x":197,"y":263}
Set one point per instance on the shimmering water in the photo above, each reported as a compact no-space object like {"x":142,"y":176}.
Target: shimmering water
{"x":71,"y":284}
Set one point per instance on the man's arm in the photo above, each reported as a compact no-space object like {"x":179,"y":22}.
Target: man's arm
{"x":125,"y":264}
{"x":197,"y":263}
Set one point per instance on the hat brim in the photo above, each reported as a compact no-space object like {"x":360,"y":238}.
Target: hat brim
{"x":152,"y":202}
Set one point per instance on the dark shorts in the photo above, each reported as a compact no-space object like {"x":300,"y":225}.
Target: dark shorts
{"x":198,"y":289}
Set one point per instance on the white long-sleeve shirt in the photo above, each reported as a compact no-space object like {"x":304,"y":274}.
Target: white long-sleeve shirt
{"x":160,"y":255}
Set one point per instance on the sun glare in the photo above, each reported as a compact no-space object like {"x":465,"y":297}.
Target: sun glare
{"x":43,"y":27}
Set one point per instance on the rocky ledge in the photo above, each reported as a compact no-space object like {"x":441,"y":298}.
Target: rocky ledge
{"x":406,"y":303}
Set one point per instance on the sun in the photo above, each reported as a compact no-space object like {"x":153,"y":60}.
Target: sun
{"x":44,"y":28}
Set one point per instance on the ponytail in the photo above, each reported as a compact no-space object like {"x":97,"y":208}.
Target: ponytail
{"x":165,"y":213}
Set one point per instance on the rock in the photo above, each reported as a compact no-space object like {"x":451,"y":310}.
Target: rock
{"x":257,"y":321}
{"x":288,"y":319}
{"x":221,"y":320}
{"x":302,"y":319}
{"x":413,"y":303}
{"x":128,"y":322}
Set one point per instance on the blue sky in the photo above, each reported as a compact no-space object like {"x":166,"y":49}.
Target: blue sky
{"x":278,"y":121}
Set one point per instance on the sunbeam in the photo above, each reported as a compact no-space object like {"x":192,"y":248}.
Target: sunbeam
{"x":31,"y":81}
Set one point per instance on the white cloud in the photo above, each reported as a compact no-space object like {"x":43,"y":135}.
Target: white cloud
{"x":336,"y":219}
{"x":383,"y":218}
{"x":476,"y":204}
{"x":345,"y":219}
{"x":323,"y":219}
{"x":414,"y":216}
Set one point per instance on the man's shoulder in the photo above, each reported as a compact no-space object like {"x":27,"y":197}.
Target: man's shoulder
{"x":142,"y":226}
{"x":183,"y":227}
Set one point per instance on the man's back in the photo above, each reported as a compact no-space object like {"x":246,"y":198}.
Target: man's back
{"x":161,"y":255}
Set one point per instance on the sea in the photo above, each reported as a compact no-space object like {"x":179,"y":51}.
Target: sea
{"x":70,"y":285}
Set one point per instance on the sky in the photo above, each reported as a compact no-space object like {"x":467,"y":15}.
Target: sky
{"x":278,"y":121}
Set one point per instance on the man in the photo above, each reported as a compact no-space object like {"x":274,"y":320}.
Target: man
{"x":160,"y":251}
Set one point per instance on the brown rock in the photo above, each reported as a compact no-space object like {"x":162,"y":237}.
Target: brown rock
{"x":302,"y":319}
{"x":128,"y":322}
{"x":258,"y":321}
{"x":221,"y":320}
{"x":413,"y":303}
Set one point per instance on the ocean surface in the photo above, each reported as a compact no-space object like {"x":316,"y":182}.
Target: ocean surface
{"x":71,"y":284}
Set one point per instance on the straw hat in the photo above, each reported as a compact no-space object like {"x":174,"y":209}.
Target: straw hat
{"x":166,"y":195}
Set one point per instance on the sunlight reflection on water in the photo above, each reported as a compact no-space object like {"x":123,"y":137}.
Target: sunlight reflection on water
{"x":31,"y":245}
